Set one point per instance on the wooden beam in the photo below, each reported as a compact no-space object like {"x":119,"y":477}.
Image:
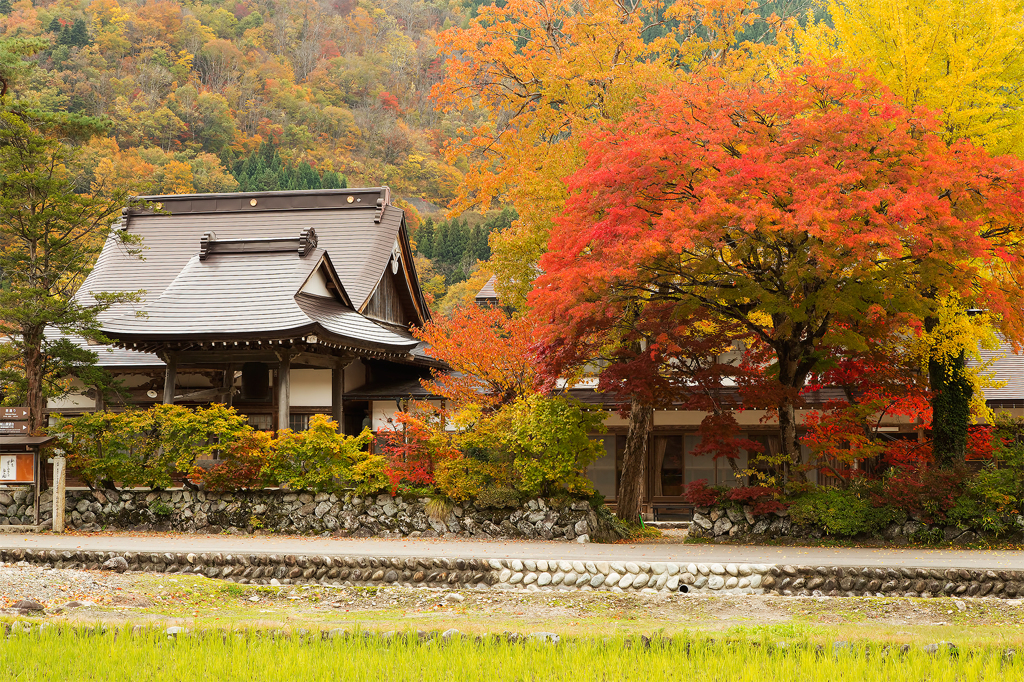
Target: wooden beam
{"x":170,"y":374}
{"x":338,"y":395}
{"x":284,"y":370}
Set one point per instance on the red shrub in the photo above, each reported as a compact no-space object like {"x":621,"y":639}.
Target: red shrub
{"x":698,"y":493}
{"x":762,"y":500}
{"x":979,"y":442}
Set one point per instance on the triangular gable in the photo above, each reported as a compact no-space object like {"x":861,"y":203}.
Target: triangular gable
{"x":397,"y":298}
{"x":324,"y":281}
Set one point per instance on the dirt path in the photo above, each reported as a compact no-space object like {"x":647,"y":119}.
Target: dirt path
{"x":137,"y":598}
{"x":446,"y":547}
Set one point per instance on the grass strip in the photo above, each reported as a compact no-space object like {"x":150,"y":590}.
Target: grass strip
{"x":75,"y":653}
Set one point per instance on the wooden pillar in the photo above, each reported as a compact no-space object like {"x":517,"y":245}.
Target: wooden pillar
{"x":284,"y":371}
{"x":338,"y":395}
{"x":38,"y":476}
{"x":170,"y":375}
{"x":228,"y":383}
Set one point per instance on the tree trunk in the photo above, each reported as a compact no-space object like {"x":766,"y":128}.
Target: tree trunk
{"x":951,"y":405}
{"x":33,"y":357}
{"x":634,"y":461}
{"x":791,"y":457}
{"x":951,"y":410}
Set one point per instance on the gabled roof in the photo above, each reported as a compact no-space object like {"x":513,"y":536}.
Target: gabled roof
{"x":359,"y":234}
{"x":230,"y":282}
{"x":251,"y":295}
{"x":487,"y":294}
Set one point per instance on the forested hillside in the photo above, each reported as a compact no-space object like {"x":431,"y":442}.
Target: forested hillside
{"x":216,"y":96}
{"x":256,"y":96}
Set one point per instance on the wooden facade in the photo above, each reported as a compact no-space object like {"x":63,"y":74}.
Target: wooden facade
{"x":277,"y":303}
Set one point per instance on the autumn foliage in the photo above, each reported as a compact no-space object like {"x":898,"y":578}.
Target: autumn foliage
{"x":488,"y":353}
{"x":795,"y":208}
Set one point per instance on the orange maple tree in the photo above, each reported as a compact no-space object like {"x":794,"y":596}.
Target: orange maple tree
{"x":488,"y":352}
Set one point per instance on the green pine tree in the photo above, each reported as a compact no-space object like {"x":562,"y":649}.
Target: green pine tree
{"x":332,"y":180}
{"x":439,"y":249}
{"x":5,"y":7}
{"x":308,"y":178}
{"x":425,"y":238}
{"x":80,"y":33}
{"x":55,"y":26}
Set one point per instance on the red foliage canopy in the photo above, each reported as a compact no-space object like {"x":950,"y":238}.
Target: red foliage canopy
{"x":792,"y":209}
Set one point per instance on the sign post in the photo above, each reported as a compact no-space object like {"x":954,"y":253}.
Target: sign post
{"x":20,"y":460}
{"x":59,"y":475}
{"x":14,"y":421}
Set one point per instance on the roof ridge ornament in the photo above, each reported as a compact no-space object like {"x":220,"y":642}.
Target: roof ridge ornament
{"x":304,"y":244}
{"x":307,"y":241}
{"x":206,"y":243}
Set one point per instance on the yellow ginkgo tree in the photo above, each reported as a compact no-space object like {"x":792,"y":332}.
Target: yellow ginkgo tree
{"x":963,"y":57}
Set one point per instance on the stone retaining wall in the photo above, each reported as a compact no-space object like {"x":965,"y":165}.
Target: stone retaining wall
{"x":345,"y":515}
{"x":16,"y":507}
{"x":546,"y":574}
{"x":722,"y":524}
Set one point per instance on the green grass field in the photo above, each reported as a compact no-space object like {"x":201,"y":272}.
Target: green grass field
{"x":758,"y":655}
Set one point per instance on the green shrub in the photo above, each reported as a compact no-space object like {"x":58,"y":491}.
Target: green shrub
{"x":319,"y":458}
{"x":115,"y":448}
{"x":369,"y":474}
{"x":841,"y":512}
{"x":547,"y":437}
{"x":498,"y":497}
{"x":462,"y":478}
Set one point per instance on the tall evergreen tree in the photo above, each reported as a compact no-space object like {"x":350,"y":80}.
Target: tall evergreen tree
{"x":5,"y":8}
{"x":78,"y":34}
{"x":425,"y":238}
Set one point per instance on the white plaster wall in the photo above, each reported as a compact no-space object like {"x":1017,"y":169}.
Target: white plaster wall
{"x":73,"y":400}
{"x":382,"y":410}
{"x":311,"y":387}
{"x":317,"y":284}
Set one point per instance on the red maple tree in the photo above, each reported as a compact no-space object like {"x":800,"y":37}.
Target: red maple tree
{"x":794,"y":208}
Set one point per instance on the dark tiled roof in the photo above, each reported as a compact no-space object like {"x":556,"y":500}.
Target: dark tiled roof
{"x":249,"y":295}
{"x":1009,"y":368}
{"x":360,"y":246}
{"x":394,"y":388}
{"x":487,"y":294}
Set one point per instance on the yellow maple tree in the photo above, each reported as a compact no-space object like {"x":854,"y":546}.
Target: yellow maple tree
{"x":534,"y":77}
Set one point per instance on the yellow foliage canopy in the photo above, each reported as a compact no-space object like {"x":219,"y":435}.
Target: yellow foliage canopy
{"x":965,"y":57}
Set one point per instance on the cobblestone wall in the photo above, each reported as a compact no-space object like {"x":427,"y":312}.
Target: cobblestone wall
{"x":346,"y":515}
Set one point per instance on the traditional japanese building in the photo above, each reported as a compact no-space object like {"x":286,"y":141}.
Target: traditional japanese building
{"x":283,"y":304}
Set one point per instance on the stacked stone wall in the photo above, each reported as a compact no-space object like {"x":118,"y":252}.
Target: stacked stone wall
{"x":347,"y":515}
{"x":545,"y":574}
{"x":16,"y":507}
{"x":742,"y":523}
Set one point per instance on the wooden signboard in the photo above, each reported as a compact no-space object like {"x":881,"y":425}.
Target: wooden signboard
{"x":14,"y":421}
{"x":17,"y":468}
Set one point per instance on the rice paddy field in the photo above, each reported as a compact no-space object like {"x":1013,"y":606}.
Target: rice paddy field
{"x":142,"y":655}
{"x":89,"y":625}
